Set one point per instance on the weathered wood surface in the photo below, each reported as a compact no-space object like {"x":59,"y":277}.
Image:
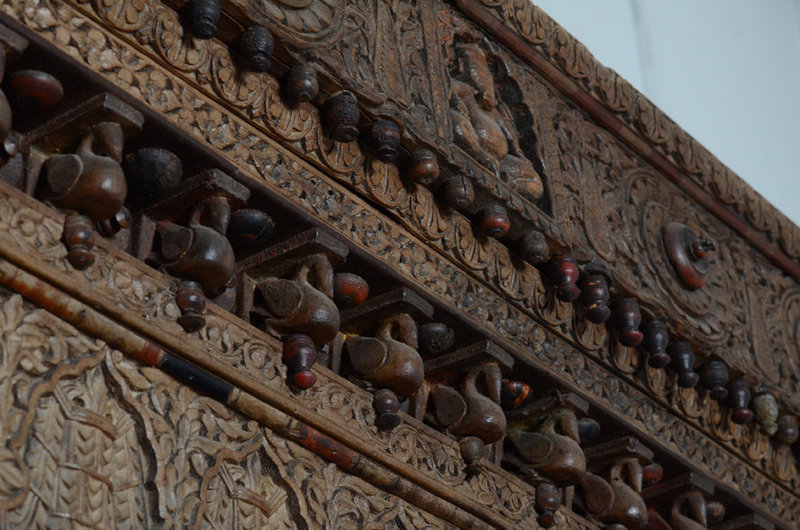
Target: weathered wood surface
{"x":499,"y":121}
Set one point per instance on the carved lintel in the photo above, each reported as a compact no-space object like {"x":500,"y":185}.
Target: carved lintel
{"x":365,"y":318}
{"x":282,"y":258}
{"x":60,"y":133}
{"x":627,"y":446}
{"x":446,"y":367}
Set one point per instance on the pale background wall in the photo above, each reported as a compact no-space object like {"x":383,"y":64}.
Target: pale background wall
{"x":727,"y":71}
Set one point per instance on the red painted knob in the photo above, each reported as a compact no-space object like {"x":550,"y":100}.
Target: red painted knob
{"x":494,"y":221}
{"x":349,"y":290}
{"x":563,"y":272}
{"x":34,"y":90}
{"x":423,"y":167}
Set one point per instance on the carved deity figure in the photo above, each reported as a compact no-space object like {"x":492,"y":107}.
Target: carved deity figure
{"x":482,"y":124}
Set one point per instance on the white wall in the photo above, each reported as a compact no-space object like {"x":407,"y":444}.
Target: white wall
{"x":727,"y":71}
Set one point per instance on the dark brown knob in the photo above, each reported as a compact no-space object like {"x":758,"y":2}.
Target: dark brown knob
{"x":256,"y":47}
{"x":548,"y":500}
{"x":588,"y":431}
{"x":533,"y":247}
{"x":472,"y":451}
{"x":594,"y":292}
{"x":250,"y":229}
{"x":739,"y":401}
{"x":562,"y":271}
{"x":111,"y":226}
{"x":627,"y":318}
{"x":34,"y":90}
{"x":204,"y":18}
{"x":301,"y":85}
{"x":457,"y":192}
{"x":714,"y":375}
{"x":152,"y":174}
{"x":423,"y":168}
{"x":788,"y":432}
{"x":299,"y":355}
{"x":349,"y":290}
{"x":79,"y":239}
{"x":656,"y":340}
{"x":340,"y":116}
{"x":384,"y":139}
{"x":434,"y":338}
{"x":494,"y":221}
{"x":386,"y":404}
{"x":192,"y":303}
{"x":683,"y":362}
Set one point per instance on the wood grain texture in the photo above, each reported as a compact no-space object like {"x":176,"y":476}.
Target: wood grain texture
{"x":198,"y":88}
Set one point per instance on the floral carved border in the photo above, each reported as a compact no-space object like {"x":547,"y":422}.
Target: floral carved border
{"x":264,"y":162}
{"x":570,"y":57}
{"x":208,"y":68}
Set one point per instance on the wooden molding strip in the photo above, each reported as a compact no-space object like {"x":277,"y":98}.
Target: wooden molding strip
{"x":94,"y":323}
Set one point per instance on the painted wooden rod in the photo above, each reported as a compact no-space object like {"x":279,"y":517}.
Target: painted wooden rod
{"x":116,"y":336}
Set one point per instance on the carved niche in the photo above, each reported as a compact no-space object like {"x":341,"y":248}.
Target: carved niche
{"x":488,"y":116}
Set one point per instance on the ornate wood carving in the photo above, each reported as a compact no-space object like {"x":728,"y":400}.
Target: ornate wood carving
{"x":482,"y":130}
{"x":616,"y":96}
{"x":94,"y":432}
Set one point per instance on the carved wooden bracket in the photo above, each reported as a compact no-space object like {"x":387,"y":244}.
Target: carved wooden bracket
{"x":185,"y":233}
{"x":289,"y":289}
{"x":382,"y":349}
{"x":685,"y":501}
{"x":612,"y":488}
{"x":464,"y":387}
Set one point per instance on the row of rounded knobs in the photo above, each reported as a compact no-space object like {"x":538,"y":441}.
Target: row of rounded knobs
{"x":590,"y":287}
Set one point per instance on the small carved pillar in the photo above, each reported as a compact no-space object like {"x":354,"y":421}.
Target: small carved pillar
{"x":655,"y":342}
{"x":594,"y":284}
{"x":340,"y":116}
{"x":544,"y":444}
{"x":288,"y":288}
{"x":611,"y":489}
{"x":683,"y":363}
{"x":300,"y":85}
{"x":626,"y":317}
{"x":766,"y":410}
{"x":381,"y":347}
{"x":562,"y":271}
{"x":88,"y":184}
{"x":739,"y":401}
{"x":473,"y":411}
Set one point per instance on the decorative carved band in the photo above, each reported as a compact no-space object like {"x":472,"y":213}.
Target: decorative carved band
{"x":260,"y":159}
{"x":631,"y":116}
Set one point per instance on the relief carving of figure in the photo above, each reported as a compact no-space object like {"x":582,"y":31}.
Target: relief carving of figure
{"x":483,"y":123}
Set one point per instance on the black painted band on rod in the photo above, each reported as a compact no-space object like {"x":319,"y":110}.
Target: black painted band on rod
{"x":195,"y":377}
